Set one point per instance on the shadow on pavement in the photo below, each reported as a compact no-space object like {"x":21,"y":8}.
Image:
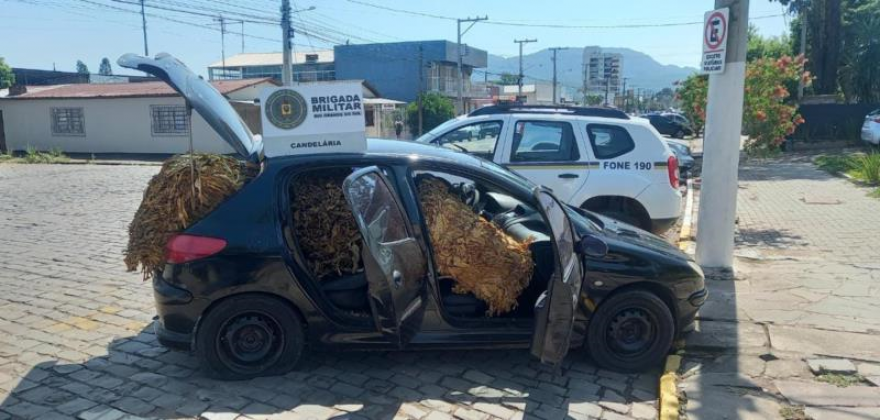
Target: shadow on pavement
{"x":141,"y":378}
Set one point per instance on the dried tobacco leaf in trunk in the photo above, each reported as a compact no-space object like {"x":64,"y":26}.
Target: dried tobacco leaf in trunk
{"x":185,"y":190}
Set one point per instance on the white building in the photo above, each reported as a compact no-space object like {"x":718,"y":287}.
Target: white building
{"x":140,"y":118}
{"x":540,"y":93}
{"x":603,"y":73}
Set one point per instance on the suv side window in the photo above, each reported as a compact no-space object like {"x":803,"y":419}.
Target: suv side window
{"x":477,"y":139}
{"x":544,"y":141}
{"x":609,"y":141}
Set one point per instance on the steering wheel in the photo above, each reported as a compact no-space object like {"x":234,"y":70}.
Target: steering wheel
{"x":471,"y":196}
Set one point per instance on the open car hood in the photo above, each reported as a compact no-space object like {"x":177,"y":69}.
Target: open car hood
{"x":204,"y":98}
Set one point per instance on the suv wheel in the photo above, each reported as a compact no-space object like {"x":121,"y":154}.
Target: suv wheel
{"x":631,"y":332}
{"x":250,"y":336}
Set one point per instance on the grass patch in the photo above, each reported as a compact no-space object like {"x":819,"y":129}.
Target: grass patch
{"x":841,"y":381}
{"x":864,"y":167}
{"x":31,"y":155}
{"x":790,"y":412}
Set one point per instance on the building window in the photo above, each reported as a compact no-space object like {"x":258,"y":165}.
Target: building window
{"x":68,"y":122}
{"x":169,"y":120}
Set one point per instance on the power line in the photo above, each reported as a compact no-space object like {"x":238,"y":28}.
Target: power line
{"x":548,"y":25}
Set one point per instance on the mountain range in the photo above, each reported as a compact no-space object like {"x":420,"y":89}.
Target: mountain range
{"x":641,"y":70}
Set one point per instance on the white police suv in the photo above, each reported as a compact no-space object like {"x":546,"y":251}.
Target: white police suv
{"x":596,"y":158}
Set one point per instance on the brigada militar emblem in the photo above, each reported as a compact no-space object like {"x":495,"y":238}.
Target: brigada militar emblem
{"x":286,"y":109}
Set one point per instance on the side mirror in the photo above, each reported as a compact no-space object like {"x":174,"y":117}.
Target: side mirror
{"x":592,"y":246}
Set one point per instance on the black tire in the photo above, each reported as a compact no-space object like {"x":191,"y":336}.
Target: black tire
{"x":631,"y":332}
{"x":678,"y":134}
{"x":249,"y":336}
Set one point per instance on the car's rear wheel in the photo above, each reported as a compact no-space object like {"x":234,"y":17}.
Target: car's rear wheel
{"x":250,"y":336}
{"x":679,"y":134}
{"x":631,"y":331}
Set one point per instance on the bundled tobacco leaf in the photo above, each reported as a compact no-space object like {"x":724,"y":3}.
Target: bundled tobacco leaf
{"x":172,"y":202}
{"x":481,"y":258}
{"x":324,"y":224}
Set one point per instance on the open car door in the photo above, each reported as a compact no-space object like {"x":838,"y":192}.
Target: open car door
{"x":556,"y":307}
{"x":394,"y":264}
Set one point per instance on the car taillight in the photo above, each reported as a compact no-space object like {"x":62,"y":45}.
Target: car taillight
{"x":672,"y":167}
{"x":185,"y":248}
{"x":877,"y":120}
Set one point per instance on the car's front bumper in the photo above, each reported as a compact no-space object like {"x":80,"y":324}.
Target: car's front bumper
{"x":688,"y":309}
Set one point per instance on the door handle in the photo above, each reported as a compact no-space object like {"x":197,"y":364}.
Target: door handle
{"x":397,"y":279}
{"x":568,"y":176}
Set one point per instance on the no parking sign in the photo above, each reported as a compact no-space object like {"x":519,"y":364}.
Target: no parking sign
{"x":715,"y":40}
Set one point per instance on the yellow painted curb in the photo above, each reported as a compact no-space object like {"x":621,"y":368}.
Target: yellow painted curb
{"x":669,"y":404}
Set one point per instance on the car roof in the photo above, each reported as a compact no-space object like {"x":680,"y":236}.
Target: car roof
{"x":404,"y":148}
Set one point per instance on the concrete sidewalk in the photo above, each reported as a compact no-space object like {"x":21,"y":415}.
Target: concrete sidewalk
{"x":807,"y":289}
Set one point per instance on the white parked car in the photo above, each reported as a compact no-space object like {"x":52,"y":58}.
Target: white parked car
{"x":871,"y":128}
{"x":595,"y":158}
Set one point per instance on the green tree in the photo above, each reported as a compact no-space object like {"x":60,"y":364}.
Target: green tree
{"x":594,"y":100}
{"x":769,"y":47}
{"x":436,"y":109}
{"x":824,"y":20}
{"x":860,"y":61}
{"x":768,"y":114}
{"x":81,"y":67}
{"x":7,"y":78}
{"x":105,"y":69}
{"x":508,"y":79}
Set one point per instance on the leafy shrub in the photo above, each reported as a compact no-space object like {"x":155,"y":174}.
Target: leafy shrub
{"x":867,"y":168}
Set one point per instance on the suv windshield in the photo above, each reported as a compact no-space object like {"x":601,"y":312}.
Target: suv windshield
{"x":431,"y":135}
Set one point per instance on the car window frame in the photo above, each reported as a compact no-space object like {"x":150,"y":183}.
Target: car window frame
{"x":514,"y":144}
{"x":592,"y":141}
{"x":489,"y":155}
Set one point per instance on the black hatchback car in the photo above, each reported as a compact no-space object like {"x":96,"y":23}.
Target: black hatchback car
{"x":238,"y":290}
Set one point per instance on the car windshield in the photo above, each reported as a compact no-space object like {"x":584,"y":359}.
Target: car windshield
{"x":437,"y":131}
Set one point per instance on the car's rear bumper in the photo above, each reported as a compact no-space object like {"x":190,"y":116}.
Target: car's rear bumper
{"x":176,"y":314}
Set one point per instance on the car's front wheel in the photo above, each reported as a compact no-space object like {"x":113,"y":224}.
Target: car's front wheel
{"x":250,"y":336}
{"x":631,"y":331}
{"x":679,"y":134}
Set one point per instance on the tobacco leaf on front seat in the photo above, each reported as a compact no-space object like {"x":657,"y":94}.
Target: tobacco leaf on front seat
{"x":482,"y":258}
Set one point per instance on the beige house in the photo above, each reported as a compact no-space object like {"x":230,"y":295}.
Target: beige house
{"x":138,"y":118}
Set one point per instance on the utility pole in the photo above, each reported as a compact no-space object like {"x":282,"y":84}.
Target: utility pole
{"x":715,"y":231}
{"x":555,"y":49}
{"x":286,"y":34}
{"x":473,"y":21}
{"x":584,"y":88}
{"x":421,"y":86}
{"x":520,"y":78}
{"x":222,"y":40}
{"x":242,"y":37}
{"x":607,"y":84}
{"x":624,"y":93}
{"x":144,"y":24}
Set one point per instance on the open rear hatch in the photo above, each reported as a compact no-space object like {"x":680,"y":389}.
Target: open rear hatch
{"x":204,"y":98}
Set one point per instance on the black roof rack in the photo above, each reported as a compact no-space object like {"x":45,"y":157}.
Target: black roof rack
{"x":550,"y":109}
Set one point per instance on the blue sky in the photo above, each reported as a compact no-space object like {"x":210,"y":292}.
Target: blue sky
{"x":61,"y":31}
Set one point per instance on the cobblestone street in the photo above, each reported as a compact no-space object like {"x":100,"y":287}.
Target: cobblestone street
{"x":76,"y":337}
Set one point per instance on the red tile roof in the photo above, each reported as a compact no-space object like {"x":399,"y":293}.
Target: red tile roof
{"x":126,"y":90}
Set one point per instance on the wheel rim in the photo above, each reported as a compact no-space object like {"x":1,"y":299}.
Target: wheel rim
{"x":632,"y":332}
{"x":250,"y":342}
